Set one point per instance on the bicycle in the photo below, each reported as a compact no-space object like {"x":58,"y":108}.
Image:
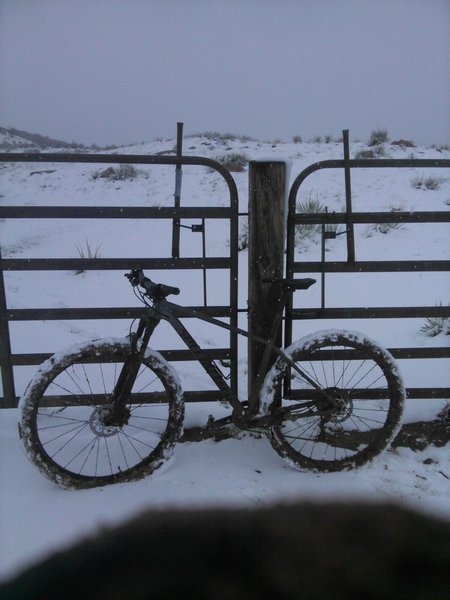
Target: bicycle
{"x":112,"y":410}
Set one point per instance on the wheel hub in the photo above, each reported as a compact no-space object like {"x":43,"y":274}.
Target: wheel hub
{"x":104,"y":423}
{"x":340,"y":405}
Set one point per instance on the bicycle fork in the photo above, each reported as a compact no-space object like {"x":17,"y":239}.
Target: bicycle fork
{"x":115,"y":413}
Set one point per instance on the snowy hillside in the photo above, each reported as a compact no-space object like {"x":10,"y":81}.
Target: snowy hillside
{"x":16,"y":140}
{"x":36,"y":516}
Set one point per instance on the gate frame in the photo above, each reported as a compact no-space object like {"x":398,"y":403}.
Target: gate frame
{"x":352,"y":265}
{"x":8,"y":360}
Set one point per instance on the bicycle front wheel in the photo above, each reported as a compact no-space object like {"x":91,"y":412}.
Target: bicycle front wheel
{"x":61,"y":424}
{"x":350,"y":414}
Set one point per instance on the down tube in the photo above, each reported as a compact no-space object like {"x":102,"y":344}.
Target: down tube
{"x":206,"y":363}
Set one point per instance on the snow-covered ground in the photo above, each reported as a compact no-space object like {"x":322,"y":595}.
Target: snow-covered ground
{"x":36,"y":516}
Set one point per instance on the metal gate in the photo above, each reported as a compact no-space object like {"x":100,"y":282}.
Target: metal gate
{"x":352,"y":265}
{"x":176,"y":214}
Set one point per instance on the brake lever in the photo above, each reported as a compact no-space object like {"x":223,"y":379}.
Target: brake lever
{"x":133,"y":277}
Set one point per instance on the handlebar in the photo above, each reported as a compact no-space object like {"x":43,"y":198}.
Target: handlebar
{"x":156,"y":291}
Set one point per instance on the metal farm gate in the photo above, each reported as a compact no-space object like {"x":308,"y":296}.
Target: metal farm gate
{"x":295,"y":266}
{"x":229,"y":309}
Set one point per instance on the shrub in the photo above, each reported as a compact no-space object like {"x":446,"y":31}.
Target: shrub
{"x":234,"y":162}
{"x":88,"y":253}
{"x":384,"y":227}
{"x":380,"y":151}
{"x":120,"y":173}
{"x":243,"y":235}
{"x":223,"y":137}
{"x":126,"y":172}
{"x":376,"y":152}
{"x":403,"y":143}
{"x":365,"y":154}
{"x":435,"y":325}
{"x":305,"y":231}
{"x":427,"y":183}
{"x":297,"y":139}
{"x":378,"y":136}
{"x":444,"y":415}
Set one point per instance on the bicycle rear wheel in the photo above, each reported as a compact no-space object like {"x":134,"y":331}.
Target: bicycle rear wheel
{"x":61,"y":424}
{"x":352,"y":416}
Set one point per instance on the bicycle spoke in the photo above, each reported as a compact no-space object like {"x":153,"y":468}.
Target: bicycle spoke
{"x":143,"y":428}
{"x":147,"y":385}
{"x":109,"y":456}
{"x":324,"y":373}
{"x":90,"y":443}
{"x":94,"y":443}
{"x":77,"y":430}
{"x":97,"y":457}
{"x":61,"y":417}
{"x":130,"y":438}
{"x":367,"y":420}
{"x":130,"y":441}
{"x":123,"y":452}
{"x":299,"y":426}
{"x":103,"y":378}
{"x":71,"y":393}
{"x":362,"y":394}
{"x":364,"y":376}
{"x":149,"y":418}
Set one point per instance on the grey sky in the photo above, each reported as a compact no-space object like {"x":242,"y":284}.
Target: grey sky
{"x":116,"y":71}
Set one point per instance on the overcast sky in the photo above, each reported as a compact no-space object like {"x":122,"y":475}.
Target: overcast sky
{"x":119,"y":71}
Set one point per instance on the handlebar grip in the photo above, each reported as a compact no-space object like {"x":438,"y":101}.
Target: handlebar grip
{"x":154,"y":290}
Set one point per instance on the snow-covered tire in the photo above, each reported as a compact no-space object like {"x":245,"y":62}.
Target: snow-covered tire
{"x":364,"y":380}
{"x":59,"y":416}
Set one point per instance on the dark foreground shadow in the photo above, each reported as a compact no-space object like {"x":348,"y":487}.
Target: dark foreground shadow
{"x":302,"y":551}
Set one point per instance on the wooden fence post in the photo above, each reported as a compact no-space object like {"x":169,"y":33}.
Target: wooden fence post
{"x":266,"y":242}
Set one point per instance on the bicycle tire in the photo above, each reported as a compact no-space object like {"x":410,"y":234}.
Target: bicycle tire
{"x":364,"y":416}
{"x":59,"y":416}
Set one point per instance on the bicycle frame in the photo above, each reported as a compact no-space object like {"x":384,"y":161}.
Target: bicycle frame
{"x":171,"y":312}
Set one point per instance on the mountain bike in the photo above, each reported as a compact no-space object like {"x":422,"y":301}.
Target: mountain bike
{"x":112,"y":410}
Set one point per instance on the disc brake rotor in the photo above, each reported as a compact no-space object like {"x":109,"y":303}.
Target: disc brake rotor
{"x":97,"y":425}
{"x":342,"y":405}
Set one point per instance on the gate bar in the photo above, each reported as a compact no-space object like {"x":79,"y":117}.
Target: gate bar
{"x":9,"y":392}
{"x":348,"y":200}
{"x":178,"y":176}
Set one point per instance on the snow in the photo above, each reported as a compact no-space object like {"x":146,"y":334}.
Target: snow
{"x":38,"y":517}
